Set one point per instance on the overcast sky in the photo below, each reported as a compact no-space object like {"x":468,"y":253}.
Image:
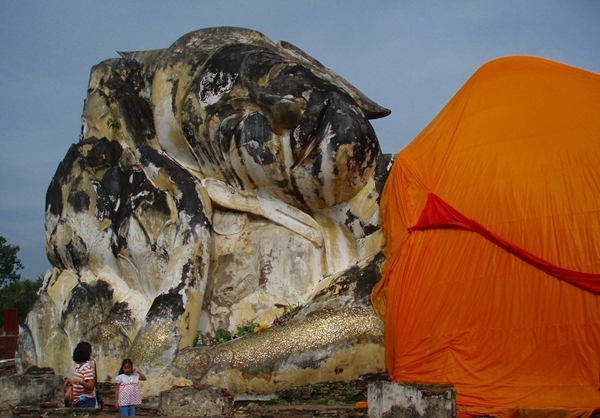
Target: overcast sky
{"x":409,"y":56}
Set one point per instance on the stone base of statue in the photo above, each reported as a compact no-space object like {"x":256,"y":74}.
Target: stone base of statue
{"x":195,"y":401}
{"x":411,"y":400}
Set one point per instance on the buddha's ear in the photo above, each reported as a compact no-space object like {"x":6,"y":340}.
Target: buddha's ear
{"x":371,"y":109}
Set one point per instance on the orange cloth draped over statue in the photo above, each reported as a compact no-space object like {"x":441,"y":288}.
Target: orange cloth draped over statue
{"x":491,"y":219}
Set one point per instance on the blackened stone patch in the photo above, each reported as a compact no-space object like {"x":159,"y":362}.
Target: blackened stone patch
{"x":80,"y":201}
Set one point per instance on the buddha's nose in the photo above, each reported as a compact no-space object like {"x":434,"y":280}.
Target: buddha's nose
{"x":284,"y":112}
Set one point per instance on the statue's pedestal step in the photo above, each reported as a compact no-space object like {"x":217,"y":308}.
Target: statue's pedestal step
{"x":301,"y":411}
{"x":409,"y":399}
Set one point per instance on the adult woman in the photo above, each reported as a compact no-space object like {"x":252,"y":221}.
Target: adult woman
{"x":82,"y":388}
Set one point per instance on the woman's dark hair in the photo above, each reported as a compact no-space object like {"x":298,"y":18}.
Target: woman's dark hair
{"x":86,"y":345}
{"x":81,"y":354}
{"x":126,"y":361}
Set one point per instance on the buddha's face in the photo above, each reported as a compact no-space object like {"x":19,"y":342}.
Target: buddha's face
{"x":274,"y":125}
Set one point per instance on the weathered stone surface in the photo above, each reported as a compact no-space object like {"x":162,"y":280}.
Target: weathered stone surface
{"x":8,"y":367}
{"x":29,"y":390}
{"x":214,"y":182}
{"x":411,"y":400}
{"x":191,"y":401}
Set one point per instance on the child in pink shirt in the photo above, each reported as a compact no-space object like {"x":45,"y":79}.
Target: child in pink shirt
{"x":128,"y":392}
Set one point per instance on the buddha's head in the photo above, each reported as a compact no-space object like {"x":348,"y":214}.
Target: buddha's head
{"x":231,"y":104}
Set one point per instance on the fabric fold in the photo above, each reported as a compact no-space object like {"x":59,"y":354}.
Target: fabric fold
{"x":437,"y":214}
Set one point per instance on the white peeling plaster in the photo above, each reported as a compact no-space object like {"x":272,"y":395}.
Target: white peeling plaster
{"x":223,"y":81}
{"x":389,"y":165}
{"x":141,"y":194}
{"x":152,"y":170}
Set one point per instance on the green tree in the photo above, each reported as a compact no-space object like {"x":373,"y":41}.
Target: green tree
{"x":9,"y":263}
{"x":14,"y":292}
{"x":18,"y":295}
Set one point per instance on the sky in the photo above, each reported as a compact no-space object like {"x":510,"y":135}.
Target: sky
{"x":410,"y":56}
